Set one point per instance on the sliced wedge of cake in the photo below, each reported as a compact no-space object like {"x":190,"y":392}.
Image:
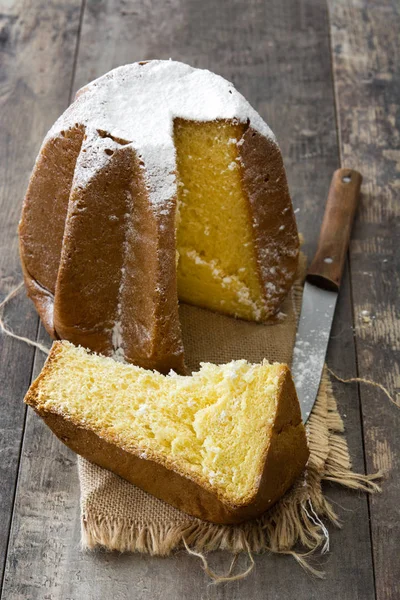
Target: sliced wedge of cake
{"x":223,"y":444}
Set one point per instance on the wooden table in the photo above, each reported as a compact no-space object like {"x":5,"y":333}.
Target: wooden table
{"x":327,"y":80}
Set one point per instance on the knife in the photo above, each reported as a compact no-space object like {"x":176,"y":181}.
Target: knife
{"x":321,"y":287}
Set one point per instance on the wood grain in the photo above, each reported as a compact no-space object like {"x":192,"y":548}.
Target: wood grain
{"x":366,"y":58}
{"x":326,"y":268}
{"x":34,"y":88}
{"x":278,"y":55}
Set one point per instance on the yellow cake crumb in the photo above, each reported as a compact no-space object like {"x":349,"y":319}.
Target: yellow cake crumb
{"x":217,"y":267}
{"x":215,"y":424}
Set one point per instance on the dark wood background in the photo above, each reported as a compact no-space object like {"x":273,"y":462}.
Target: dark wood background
{"x":327,"y":80}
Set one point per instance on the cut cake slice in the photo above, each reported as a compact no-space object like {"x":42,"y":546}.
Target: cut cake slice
{"x":222,"y":445}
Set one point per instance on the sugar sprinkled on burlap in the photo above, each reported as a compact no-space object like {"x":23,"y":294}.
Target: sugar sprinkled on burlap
{"x":119,"y":516}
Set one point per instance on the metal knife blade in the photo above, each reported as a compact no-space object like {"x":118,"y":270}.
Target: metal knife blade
{"x":322,"y":287}
{"x":311,"y":344}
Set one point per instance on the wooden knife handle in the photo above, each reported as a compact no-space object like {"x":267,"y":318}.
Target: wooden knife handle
{"x":327,"y":267}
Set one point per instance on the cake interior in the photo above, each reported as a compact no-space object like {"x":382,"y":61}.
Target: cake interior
{"x":217,"y":266}
{"x":215,"y":424}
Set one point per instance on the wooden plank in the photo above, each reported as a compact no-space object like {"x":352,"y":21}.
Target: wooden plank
{"x":37,"y":44}
{"x":278,"y":56}
{"x":366,"y":58}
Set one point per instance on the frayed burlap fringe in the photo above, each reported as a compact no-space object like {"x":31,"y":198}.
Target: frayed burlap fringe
{"x":296,"y":520}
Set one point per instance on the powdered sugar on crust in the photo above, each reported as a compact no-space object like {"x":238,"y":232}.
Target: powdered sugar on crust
{"x":117,"y":341}
{"x":94,"y":156}
{"x":138,"y":104}
{"x":134,"y":107}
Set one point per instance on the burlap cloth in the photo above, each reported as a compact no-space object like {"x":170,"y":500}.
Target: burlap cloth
{"x":119,"y":516}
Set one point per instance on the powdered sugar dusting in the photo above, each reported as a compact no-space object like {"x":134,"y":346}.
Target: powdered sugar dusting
{"x":135,"y":106}
{"x":94,"y":156}
{"x":312,"y":338}
{"x":138,"y":103}
{"x":117,"y":340}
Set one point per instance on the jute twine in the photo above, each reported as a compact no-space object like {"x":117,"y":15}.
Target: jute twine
{"x":8,"y":331}
{"x":119,"y":516}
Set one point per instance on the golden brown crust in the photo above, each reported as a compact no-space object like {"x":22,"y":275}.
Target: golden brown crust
{"x":288,"y":451}
{"x":42,"y":299}
{"x":110,"y":254}
{"x":41,"y":228}
{"x":82,"y":263}
{"x":89,"y":272}
{"x":285,"y":458}
{"x":73,"y":244}
{"x":273,"y":220}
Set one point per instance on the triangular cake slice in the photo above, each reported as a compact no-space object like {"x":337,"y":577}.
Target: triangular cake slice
{"x":223,"y":444}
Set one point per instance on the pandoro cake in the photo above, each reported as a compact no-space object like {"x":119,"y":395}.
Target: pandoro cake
{"x":223,"y":444}
{"x":160,"y":182}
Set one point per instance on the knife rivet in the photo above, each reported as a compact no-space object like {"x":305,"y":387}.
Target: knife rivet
{"x":328,"y":260}
{"x":346,"y":178}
